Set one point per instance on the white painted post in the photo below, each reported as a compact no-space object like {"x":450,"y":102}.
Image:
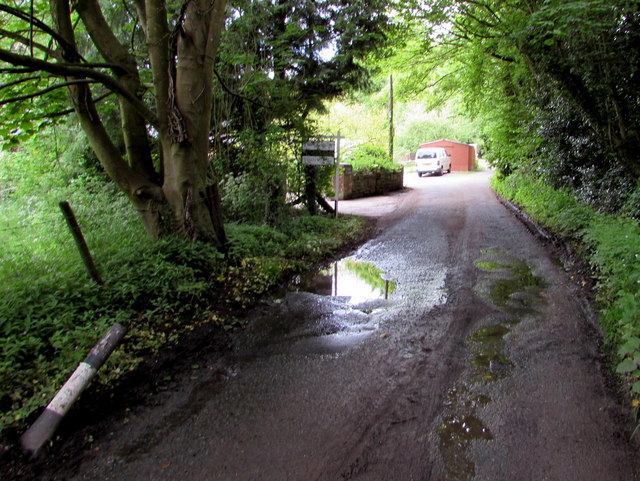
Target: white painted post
{"x":43,"y":428}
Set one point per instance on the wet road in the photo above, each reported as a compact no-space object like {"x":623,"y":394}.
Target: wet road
{"x":454,"y":347}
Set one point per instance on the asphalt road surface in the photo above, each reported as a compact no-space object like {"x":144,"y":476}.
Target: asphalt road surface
{"x":451,"y":346}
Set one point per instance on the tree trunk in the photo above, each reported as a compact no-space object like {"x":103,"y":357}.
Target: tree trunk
{"x":181,"y":199}
{"x":185,"y":141}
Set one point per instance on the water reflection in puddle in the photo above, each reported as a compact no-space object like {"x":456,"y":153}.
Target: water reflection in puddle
{"x":460,"y":427}
{"x":515,"y":289}
{"x":487,"y":353}
{"x":354,"y":280}
{"x":327,"y":311}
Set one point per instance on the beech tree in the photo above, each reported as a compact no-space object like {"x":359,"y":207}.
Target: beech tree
{"x":156,"y":59}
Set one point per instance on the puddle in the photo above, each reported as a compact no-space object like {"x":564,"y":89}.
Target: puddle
{"x":330,"y":344}
{"x":459,"y":429}
{"x":456,"y":429}
{"x":323,"y":312}
{"x":487,"y":353}
{"x":358,"y":281}
{"x":512,"y":286}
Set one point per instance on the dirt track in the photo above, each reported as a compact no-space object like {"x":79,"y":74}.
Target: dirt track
{"x":482,"y":364}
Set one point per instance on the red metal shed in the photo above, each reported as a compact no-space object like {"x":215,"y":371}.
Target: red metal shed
{"x":463,"y":156}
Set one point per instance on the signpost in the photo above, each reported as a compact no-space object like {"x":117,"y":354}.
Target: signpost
{"x":320,"y":151}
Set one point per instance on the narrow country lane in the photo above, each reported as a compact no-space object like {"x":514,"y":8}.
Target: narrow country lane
{"x":481,"y":364}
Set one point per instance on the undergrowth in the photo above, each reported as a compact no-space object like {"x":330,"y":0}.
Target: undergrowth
{"x":611,"y":245}
{"x":52,"y":313}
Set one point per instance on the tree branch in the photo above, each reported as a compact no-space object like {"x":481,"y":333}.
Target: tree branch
{"x":485,"y":6}
{"x":503,"y":58}
{"x":62,"y":113}
{"x":69,"y":49}
{"x":43,"y":91}
{"x":158,"y":39}
{"x":18,"y":82}
{"x":232,"y":93}
{"x":26,"y":41}
{"x":134,"y":126}
{"x":80,"y":71}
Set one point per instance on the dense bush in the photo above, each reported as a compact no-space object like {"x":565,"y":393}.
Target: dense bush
{"x":369,"y":157}
{"x":611,"y":245}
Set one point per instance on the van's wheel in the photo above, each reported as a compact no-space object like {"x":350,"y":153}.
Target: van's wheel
{"x":419,"y":174}
{"x":449,"y":171}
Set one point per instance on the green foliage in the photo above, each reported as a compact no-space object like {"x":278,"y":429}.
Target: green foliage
{"x":370,"y":158}
{"x":51,"y":313}
{"x":251,"y":198}
{"x":312,"y":238}
{"x":247,"y":240}
{"x":611,"y":245}
{"x":356,"y":121}
{"x":256,"y":171}
{"x":416,"y":126}
{"x":537,"y":77}
{"x":631,"y":207}
{"x":279,"y":62}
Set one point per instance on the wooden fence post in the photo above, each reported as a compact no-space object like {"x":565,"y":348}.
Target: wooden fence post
{"x":80,"y":242}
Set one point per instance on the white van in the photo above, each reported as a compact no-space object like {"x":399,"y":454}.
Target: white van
{"x":432,"y":160}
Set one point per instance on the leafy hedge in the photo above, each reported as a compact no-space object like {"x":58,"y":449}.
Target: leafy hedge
{"x":611,"y":245}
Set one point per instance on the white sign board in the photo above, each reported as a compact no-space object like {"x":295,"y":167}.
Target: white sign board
{"x":318,"y":152}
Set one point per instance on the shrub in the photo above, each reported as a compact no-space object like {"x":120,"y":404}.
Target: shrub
{"x":252,"y":199}
{"x":370,"y":157}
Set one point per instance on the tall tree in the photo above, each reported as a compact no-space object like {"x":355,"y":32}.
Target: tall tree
{"x":278,"y":60}
{"x":522,"y":64}
{"x":281,"y":59}
{"x":156,"y":59}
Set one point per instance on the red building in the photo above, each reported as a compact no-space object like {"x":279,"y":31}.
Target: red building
{"x":463,"y":156}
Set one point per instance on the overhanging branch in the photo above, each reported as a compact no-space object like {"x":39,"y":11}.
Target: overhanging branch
{"x":232,"y":93}
{"x":18,"y":82}
{"x":81,"y":72}
{"x":26,"y":41}
{"x":62,"y":113}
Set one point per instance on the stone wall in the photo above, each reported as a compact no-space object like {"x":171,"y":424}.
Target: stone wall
{"x":364,"y":184}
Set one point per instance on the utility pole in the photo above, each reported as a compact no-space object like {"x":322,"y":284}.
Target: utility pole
{"x":391,"y":129}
